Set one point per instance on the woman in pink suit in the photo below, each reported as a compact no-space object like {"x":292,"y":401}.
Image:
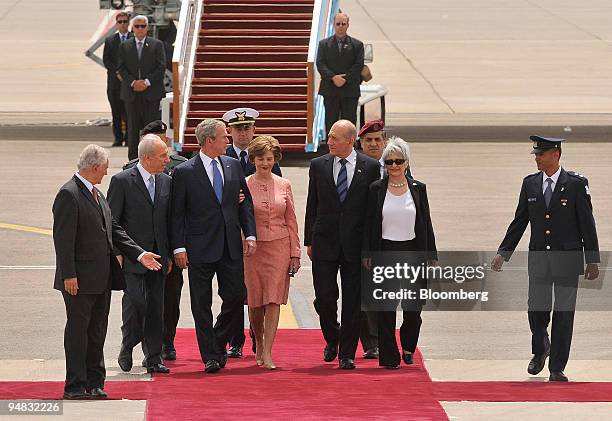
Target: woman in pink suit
{"x":267,"y":271}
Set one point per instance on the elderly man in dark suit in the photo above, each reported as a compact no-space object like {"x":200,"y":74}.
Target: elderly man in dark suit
{"x":139,"y":198}
{"x":110,"y":57}
{"x":142,"y":64}
{"x":207,"y":220}
{"x":333,"y":230}
{"x":84,"y":235}
{"x":339,"y":62}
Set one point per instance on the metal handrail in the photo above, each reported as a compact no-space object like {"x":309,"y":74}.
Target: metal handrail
{"x":183,"y":61}
{"x":322,"y":27}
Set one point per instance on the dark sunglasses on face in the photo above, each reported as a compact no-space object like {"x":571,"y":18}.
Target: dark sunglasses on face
{"x":341,"y":23}
{"x":397,"y":162}
{"x":122,"y":21}
{"x":140,"y":26}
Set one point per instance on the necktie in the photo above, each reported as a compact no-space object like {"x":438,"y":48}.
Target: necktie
{"x":342,"y":183}
{"x":243,"y":160}
{"x":151,"y":188}
{"x":123,"y":37}
{"x":95,"y":195}
{"x":139,"y":48}
{"x":217,"y":181}
{"x":548,"y":192}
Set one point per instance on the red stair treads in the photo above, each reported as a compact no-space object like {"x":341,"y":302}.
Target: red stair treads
{"x":264,"y":105}
{"x":256,"y":24}
{"x":262,"y":32}
{"x":256,"y":39}
{"x":249,"y":89}
{"x":193,"y":121}
{"x":215,"y":7}
{"x":252,"y":49}
{"x":256,"y":16}
{"x":251,"y":56}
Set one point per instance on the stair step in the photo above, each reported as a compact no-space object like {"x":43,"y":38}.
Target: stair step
{"x":252,"y":73}
{"x":267,"y":41}
{"x":257,"y":49}
{"x":291,"y":140}
{"x":259,"y":65}
{"x":246,"y":2}
{"x":261,"y":121}
{"x":242,"y":17}
{"x":256,"y":24}
{"x":248,"y":97}
{"x":258,"y":8}
{"x":263,"y":105}
{"x":282,"y":115}
{"x":248,"y":32}
{"x":248,"y":81}
{"x":249,"y":89}
{"x":232,"y":57}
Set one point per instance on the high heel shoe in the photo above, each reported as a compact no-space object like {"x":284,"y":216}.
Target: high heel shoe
{"x":269,"y":365}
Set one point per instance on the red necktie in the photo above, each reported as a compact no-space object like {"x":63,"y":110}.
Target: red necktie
{"x":95,"y":195}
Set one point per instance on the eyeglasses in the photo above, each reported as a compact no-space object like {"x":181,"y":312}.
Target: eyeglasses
{"x":122,"y":21}
{"x":397,"y":162}
{"x":140,"y":26}
{"x":341,"y":23}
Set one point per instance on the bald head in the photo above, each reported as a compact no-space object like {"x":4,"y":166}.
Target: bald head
{"x":153,"y":153}
{"x":341,"y":138}
{"x":341,"y":24}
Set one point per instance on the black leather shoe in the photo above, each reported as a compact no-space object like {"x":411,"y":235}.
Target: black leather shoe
{"x":330,"y":352}
{"x":158,"y":368}
{"x":80,"y":395}
{"x":557,"y":376}
{"x":222,"y":362}
{"x":234,"y":352}
{"x":125,"y":359}
{"x":537,"y":363}
{"x":97,"y":393}
{"x":212,"y":366}
{"x":346,"y":364}
{"x":117,"y":143}
{"x":391,"y":367}
{"x":168,"y":353}
{"x":407,"y":357}
{"x":371,"y":354}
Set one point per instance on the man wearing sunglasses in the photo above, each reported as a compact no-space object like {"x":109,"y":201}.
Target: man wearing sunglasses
{"x":142,"y":64}
{"x":339,"y":62}
{"x":110,"y":57}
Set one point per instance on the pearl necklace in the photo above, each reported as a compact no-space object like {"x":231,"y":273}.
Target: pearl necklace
{"x":397,"y":185}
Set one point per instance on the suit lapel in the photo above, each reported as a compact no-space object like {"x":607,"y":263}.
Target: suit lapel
{"x":85,"y":191}
{"x":559,"y":185}
{"x":536,"y":189}
{"x":359,"y":169}
{"x":227,"y":177}
{"x":414,"y":191}
{"x":329,"y":173}
{"x":139,"y":182}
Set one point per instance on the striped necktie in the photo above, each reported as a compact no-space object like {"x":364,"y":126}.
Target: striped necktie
{"x":342,"y":183}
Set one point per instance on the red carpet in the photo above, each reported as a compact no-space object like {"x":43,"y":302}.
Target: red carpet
{"x":305,"y":387}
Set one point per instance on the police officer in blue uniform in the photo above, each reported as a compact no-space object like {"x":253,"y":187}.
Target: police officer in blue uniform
{"x":174,"y":280}
{"x":557,"y":205}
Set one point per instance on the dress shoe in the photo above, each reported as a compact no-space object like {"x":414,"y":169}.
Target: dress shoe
{"x":234,"y":352}
{"x":330,"y":352}
{"x":125,"y":359}
{"x":391,"y":367}
{"x":168,"y":353}
{"x":79,"y":395}
{"x":212,"y":366}
{"x":537,"y":363}
{"x":371,"y":354}
{"x":347,"y":364}
{"x":117,"y":143}
{"x":97,"y":393}
{"x":158,"y":368}
{"x":557,"y":376}
{"x":407,"y":357}
{"x":222,"y":362}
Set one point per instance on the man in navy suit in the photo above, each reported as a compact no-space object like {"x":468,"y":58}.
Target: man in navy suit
{"x":207,"y":219}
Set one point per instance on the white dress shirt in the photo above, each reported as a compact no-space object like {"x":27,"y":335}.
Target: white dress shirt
{"x":350,"y":167}
{"x":554,"y":179}
{"x":238,"y":150}
{"x":398,"y":217}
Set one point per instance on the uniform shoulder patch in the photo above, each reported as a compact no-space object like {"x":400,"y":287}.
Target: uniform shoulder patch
{"x":532,"y":175}
{"x":130,"y":164}
{"x":578,"y":176}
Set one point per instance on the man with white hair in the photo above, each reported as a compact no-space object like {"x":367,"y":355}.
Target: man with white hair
{"x":139,"y":199}
{"x":142,"y":64}
{"x":84,"y":236}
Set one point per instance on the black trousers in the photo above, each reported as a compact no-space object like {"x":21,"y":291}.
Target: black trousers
{"x":540,"y":306}
{"x":411,"y":324}
{"x":172,"y":308}
{"x":368,"y":330}
{"x":324,"y":275}
{"x":142,"y":309}
{"x":118,"y":112}
{"x":84,"y":336}
{"x":237,"y":340}
{"x":230,"y":278}
{"x":338,"y":108}
{"x":140,"y":112}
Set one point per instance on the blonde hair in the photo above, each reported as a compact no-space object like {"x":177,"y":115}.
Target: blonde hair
{"x":262,"y":144}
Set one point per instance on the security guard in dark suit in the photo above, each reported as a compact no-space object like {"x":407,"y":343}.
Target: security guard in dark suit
{"x":174,"y":279}
{"x":557,"y":205}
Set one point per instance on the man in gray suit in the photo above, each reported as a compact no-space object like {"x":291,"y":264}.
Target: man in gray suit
{"x":84,"y":235}
{"x":142,"y":64}
{"x":139,"y":199}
